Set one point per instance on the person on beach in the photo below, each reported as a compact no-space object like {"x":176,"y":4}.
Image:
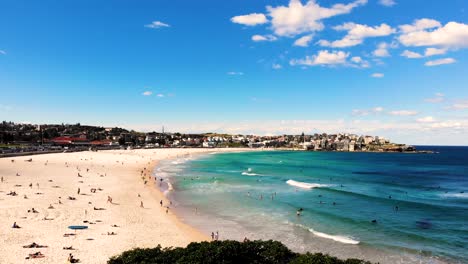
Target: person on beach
{"x":216,"y":236}
{"x":78,"y":192}
{"x":2,"y":179}
{"x":212,"y":236}
{"x":141,"y":204}
{"x":109,"y":199}
{"x":161,"y":203}
{"x":15,"y":225}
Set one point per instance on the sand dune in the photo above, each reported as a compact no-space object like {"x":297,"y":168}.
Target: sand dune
{"x":56,"y":177}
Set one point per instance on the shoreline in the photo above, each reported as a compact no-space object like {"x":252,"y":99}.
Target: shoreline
{"x":201,"y":221}
{"x":114,"y":173}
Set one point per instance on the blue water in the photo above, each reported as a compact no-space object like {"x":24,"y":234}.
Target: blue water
{"x":419,"y":201}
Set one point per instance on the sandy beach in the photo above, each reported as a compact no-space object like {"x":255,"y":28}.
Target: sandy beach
{"x":49,"y":184}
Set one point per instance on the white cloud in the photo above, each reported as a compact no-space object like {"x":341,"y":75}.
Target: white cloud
{"x":2,"y":52}
{"x":356,"y":34}
{"x":160,"y":95}
{"x":235,"y":73}
{"x":411,"y":55}
{"x":461,"y":105}
{"x":439,"y":97}
{"x":403,"y":113}
{"x":276,"y":66}
{"x":303,"y":41}
{"x":360,"y":62}
{"x":250,"y":20}
{"x":452,"y":35}
{"x":428,"y":53}
{"x":258,"y":38}
{"x":387,"y":2}
{"x":365,"y":112}
{"x":434,"y":51}
{"x":377,"y":75}
{"x":427,"y":119}
{"x":147,"y":93}
{"x":382,"y":50}
{"x":157,"y":24}
{"x":419,"y":25}
{"x":323,"y":57}
{"x":440,"y":62}
{"x":297,"y":18}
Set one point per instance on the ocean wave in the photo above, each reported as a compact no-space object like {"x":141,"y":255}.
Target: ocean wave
{"x":250,"y":173}
{"x":305,"y":185}
{"x":456,"y":195}
{"x":341,"y":239}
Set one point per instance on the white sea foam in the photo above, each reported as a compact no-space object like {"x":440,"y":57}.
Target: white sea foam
{"x":341,"y":239}
{"x":456,"y":195}
{"x":305,"y":185}
{"x":250,"y":174}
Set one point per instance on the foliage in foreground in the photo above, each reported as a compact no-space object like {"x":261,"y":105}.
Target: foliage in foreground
{"x":226,"y":252}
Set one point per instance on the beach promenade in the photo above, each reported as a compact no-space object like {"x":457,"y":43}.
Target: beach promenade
{"x":45,"y":194}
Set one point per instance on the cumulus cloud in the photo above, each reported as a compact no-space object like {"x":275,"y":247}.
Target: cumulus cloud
{"x":403,"y":113}
{"x":157,"y":24}
{"x":439,"y":97}
{"x":411,"y":54}
{"x":323,"y":57}
{"x":434,"y":51}
{"x":250,"y":19}
{"x":452,"y":35}
{"x":428,"y":53}
{"x":297,"y":18}
{"x":440,"y":62}
{"x":427,"y":119}
{"x":276,"y":66}
{"x":356,"y":34}
{"x":387,"y":2}
{"x":359,"y":62}
{"x":365,"y":112}
{"x":258,"y":38}
{"x":377,"y":75}
{"x":420,"y":25}
{"x":303,"y":41}
{"x":147,"y":93}
{"x":234,"y":73}
{"x":461,"y":105}
{"x":382,"y":49}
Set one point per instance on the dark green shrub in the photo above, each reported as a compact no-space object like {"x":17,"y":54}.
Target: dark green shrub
{"x":226,"y":252}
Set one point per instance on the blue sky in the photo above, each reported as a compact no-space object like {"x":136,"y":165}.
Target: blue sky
{"x":391,"y":68}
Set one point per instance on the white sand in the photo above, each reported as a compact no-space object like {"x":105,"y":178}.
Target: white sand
{"x":138,"y":227}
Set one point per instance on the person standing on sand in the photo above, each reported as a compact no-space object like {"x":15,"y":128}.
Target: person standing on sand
{"x":2,"y":179}
{"x":109,"y":199}
{"x":78,"y":192}
{"x":212,"y":236}
{"x":161,"y":203}
{"x":141,"y":204}
{"x":216,"y":236}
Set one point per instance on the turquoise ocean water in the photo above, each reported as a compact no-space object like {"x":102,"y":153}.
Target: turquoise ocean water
{"x":419,"y":201}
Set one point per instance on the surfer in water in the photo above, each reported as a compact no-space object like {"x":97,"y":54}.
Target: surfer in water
{"x":299,"y":211}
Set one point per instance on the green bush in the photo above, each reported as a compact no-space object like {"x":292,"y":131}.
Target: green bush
{"x":226,"y":252}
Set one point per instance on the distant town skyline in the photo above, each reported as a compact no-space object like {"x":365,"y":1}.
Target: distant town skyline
{"x":390,"y":68}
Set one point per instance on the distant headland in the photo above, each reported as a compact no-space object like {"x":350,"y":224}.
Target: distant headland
{"x":27,"y":138}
